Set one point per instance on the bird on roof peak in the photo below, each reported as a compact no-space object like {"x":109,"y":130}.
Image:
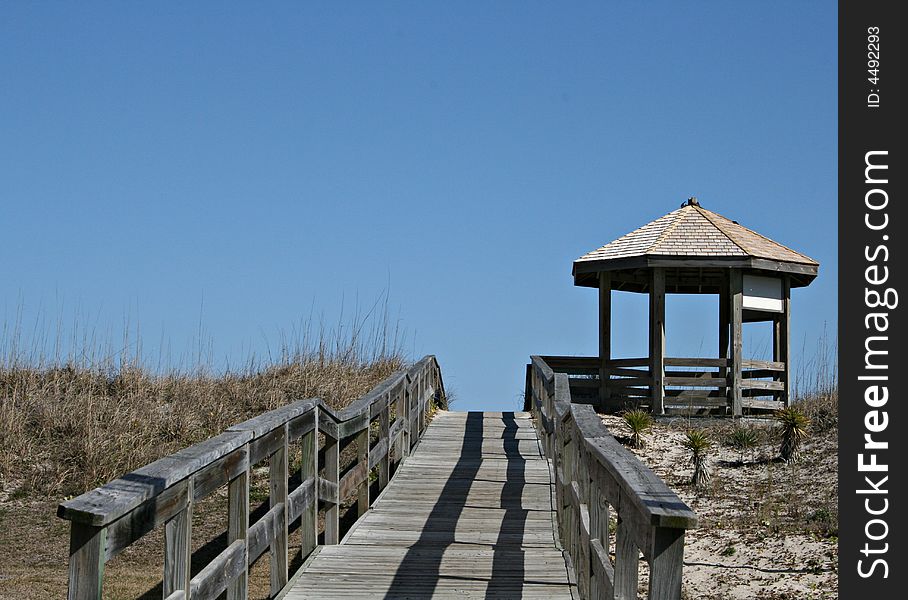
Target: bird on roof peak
{"x":692,"y":201}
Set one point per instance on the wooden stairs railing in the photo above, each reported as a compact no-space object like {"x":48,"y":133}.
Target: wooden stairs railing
{"x":110,"y":518}
{"x":597,"y":479}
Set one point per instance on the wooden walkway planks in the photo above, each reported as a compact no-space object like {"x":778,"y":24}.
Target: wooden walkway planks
{"x":468,"y":515}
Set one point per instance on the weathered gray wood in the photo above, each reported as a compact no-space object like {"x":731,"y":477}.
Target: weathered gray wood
{"x":150,"y":514}
{"x":358,"y":476}
{"x":354,"y":425}
{"x":326,"y":423}
{"x":764,"y":365}
{"x":178,"y":547}
{"x":86,"y":561}
{"x":330,"y":480}
{"x":695,"y":381}
{"x":657,"y":339}
{"x":214,"y":578}
{"x":352,"y":482}
{"x":736,"y":298}
{"x":238,"y":528}
{"x":263,"y":532}
{"x":309,"y":474}
{"x":695,"y":362}
{"x":754,"y":384}
{"x":785,"y":340}
{"x":378,"y":452}
{"x":384,"y":432}
{"x":277,"y":477}
{"x":666,"y":564}
{"x":659,"y":505}
{"x":724,"y":326}
{"x":111,"y":501}
{"x":626,"y":562}
{"x":265,"y":446}
{"x":605,"y":334}
{"x":273,"y":419}
{"x":301,"y":499}
{"x":219,"y":473}
{"x":304,"y":423}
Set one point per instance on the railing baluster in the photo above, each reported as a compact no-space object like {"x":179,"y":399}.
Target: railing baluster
{"x":332,"y":470}
{"x":178,"y":548}
{"x":87,"y":547}
{"x":278,"y":476}
{"x":238,"y":528}
{"x":384,"y":425}
{"x":309,"y":470}
{"x":626,"y":559}
{"x":666,"y":563}
{"x":362,"y":458}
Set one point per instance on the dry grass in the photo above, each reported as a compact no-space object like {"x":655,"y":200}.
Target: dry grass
{"x":69,"y":425}
{"x":66,"y":430}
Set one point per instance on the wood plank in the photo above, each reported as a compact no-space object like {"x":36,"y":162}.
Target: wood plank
{"x":86,"y":561}
{"x":178,"y":547}
{"x":696,"y":362}
{"x":277,"y":482}
{"x":238,"y":529}
{"x":111,"y":501}
{"x":219,"y":473}
{"x":214,"y":578}
{"x":150,"y":514}
{"x":696,"y":381}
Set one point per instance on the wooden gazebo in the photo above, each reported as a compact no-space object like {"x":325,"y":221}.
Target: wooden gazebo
{"x":696,"y":251}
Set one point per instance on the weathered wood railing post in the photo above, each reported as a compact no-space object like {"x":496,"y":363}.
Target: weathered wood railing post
{"x":309,"y":472}
{"x":328,"y":487}
{"x":592,"y":472}
{"x":178,"y":548}
{"x":238,"y":526}
{"x":87,"y":550}
{"x":384,"y":428}
{"x":278,"y":475}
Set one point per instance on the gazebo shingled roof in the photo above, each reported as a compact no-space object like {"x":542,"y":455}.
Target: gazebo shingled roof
{"x":690,"y":239}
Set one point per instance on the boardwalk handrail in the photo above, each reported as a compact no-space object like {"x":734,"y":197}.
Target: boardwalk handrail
{"x":594,"y":472}
{"x":108,"y":519}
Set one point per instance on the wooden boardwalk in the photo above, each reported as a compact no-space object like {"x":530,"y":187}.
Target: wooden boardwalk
{"x":470,"y":514}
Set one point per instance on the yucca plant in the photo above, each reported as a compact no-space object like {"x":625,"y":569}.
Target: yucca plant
{"x":639,"y":422}
{"x":742,"y":439}
{"x":792,"y":426}
{"x":699,"y":444}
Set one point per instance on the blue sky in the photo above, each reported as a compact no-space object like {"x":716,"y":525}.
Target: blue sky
{"x":235,"y":169}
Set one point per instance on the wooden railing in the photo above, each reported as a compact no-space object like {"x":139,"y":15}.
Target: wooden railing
{"x":691,"y":385}
{"x":108,"y":519}
{"x":600,"y":483}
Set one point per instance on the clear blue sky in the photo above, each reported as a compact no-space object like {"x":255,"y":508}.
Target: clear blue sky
{"x":162,"y":161}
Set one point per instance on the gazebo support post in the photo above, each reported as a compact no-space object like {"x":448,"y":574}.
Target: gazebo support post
{"x":605,"y":337}
{"x":785,"y":339}
{"x":736,"y":310}
{"x":724,"y":308}
{"x":657,"y":339}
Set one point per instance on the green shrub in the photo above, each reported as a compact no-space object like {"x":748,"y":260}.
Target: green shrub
{"x":639,"y":422}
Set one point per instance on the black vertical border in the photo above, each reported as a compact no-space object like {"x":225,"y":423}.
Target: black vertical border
{"x":862,"y":129}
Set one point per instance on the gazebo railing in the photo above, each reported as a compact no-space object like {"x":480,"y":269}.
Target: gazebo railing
{"x":691,"y":385}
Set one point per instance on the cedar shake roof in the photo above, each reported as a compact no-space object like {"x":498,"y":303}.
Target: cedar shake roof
{"x":692,"y":237}
{"x":693,"y":231}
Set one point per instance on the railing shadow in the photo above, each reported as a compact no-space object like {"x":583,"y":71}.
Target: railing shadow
{"x":422,"y":562}
{"x":508,"y":565}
